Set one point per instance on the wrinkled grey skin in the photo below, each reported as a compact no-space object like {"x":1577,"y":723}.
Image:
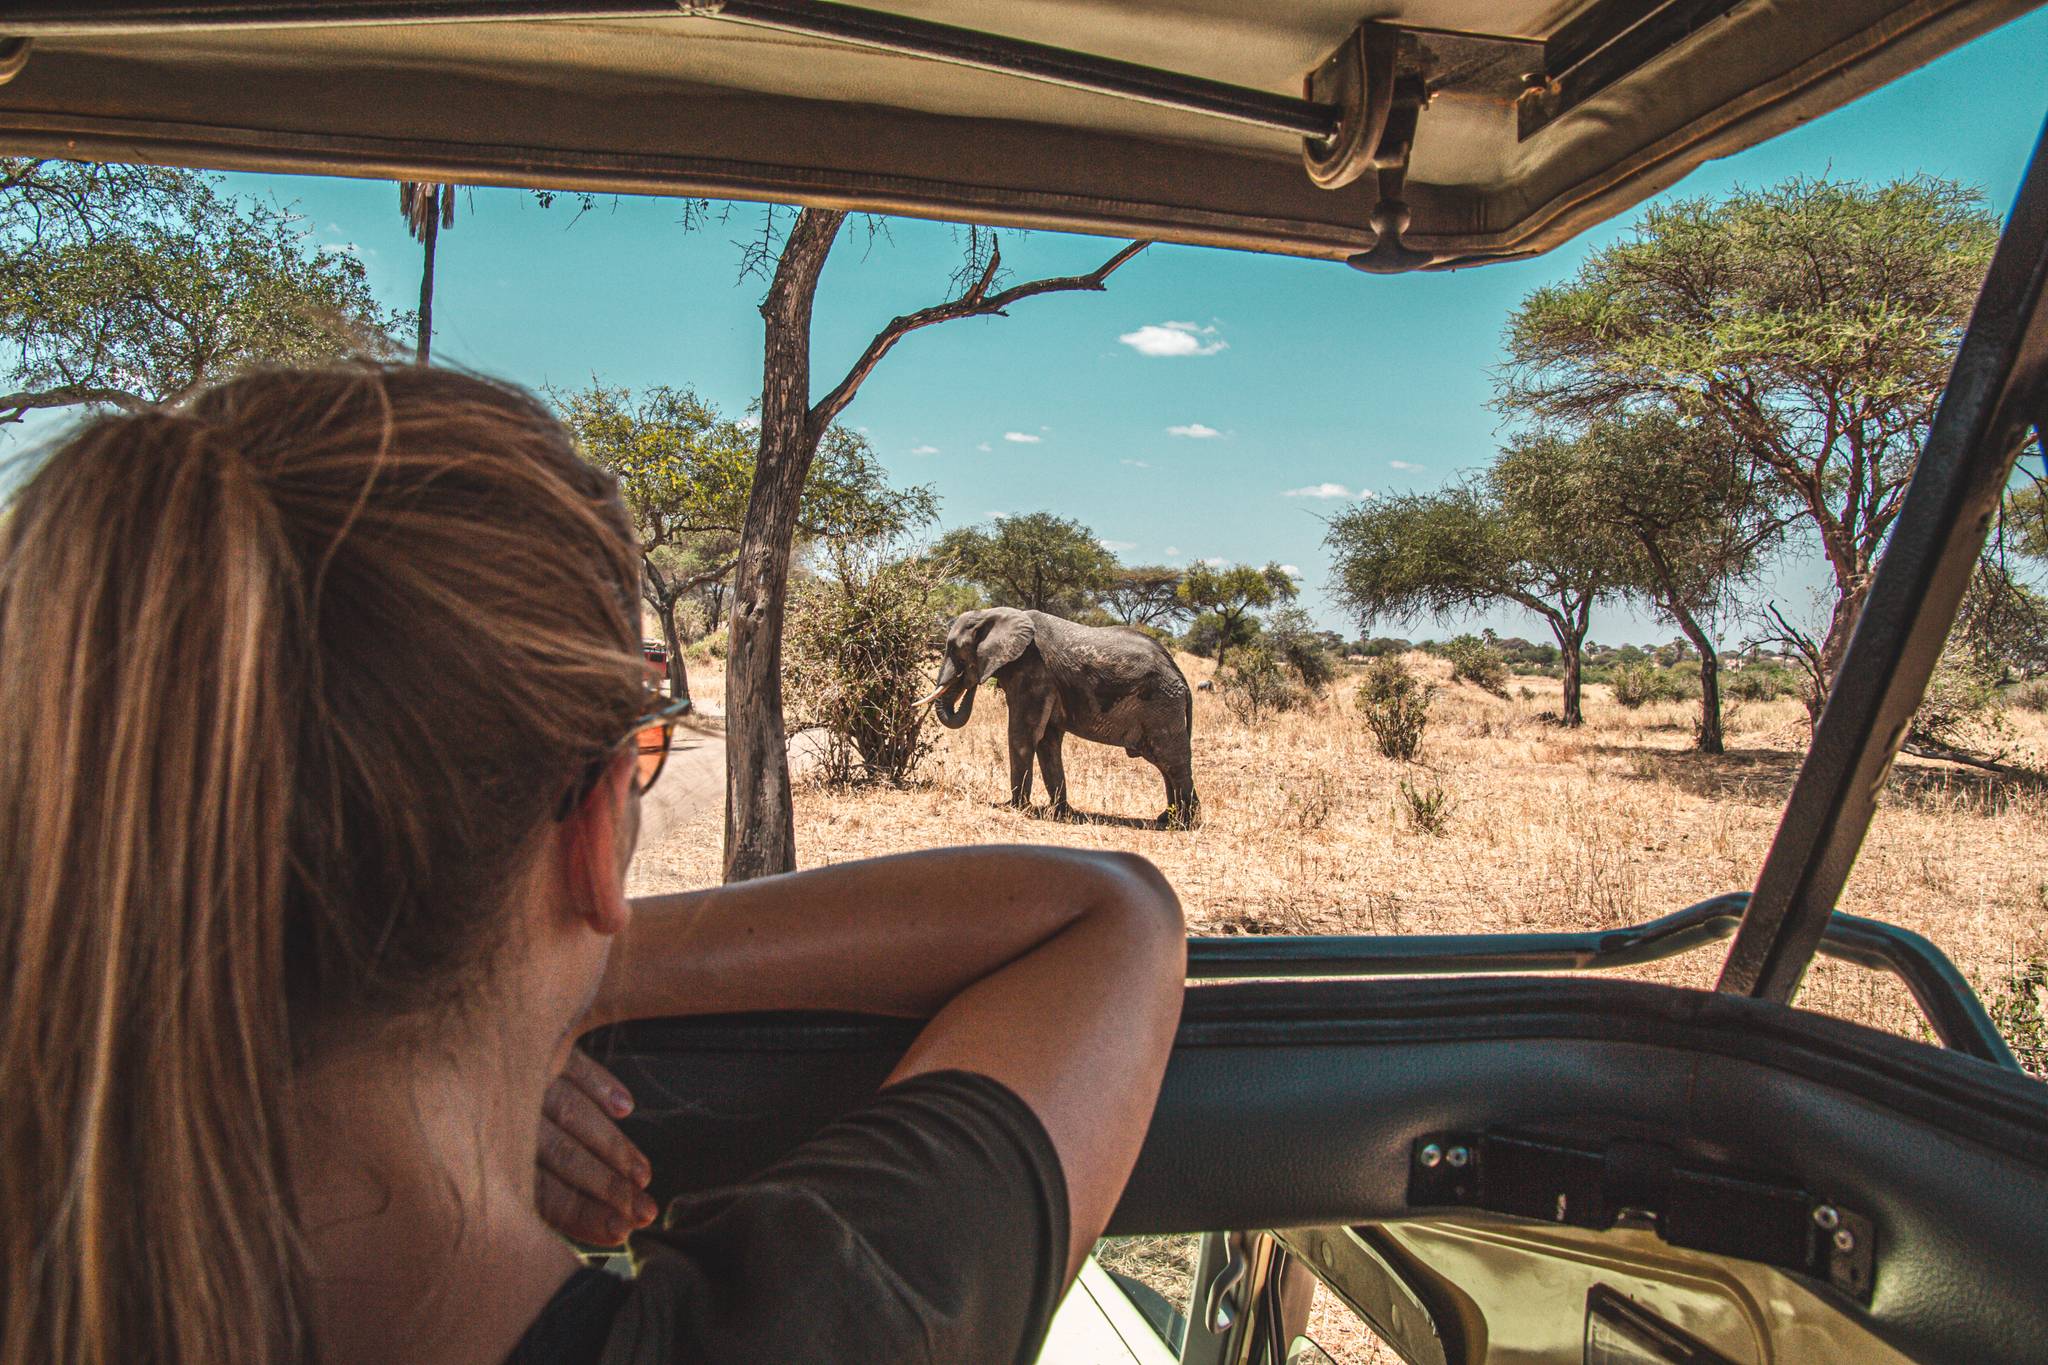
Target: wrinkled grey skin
{"x":1105,"y":683}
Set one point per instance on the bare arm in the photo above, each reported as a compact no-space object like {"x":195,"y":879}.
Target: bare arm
{"x":1056,"y":972}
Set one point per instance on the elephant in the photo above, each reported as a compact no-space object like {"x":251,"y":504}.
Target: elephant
{"x":1109,"y":684}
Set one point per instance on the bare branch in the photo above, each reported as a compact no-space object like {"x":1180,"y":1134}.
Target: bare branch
{"x":974,"y":301}
{"x":15,"y":406}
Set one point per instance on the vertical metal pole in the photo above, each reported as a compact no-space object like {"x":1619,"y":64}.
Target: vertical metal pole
{"x":1994,"y":393}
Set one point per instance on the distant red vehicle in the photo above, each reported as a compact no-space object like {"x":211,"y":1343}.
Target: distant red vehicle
{"x":655,"y":652}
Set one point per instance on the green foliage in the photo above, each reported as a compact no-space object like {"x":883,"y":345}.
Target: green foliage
{"x":1293,"y":639}
{"x":129,"y":285}
{"x":2018,"y":1005}
{"x":1506,"y":537}
{"x":1810,"y":325}
{"x":1147,"y":596}
{"x":1638,"y":682}
{"x":1255,"y":685}
{"x":1759,"y":682}
{"x":855,"y":648}
{"x":1232,"y":594}
{"x":1038,"y":561}
{"x":1429,"y":807}
{"x":1395,"y":704}
{"x":1379,"y":646}
{"x":1478,"y":662}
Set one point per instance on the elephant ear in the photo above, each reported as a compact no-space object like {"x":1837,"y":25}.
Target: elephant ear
{"x":1009,"y":634}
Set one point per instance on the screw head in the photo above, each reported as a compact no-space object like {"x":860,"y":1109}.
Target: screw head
{"x":1826,"y":1217}
{"x":1457,"y":1156}
{"x":1845,"y":1240}
{"x":1431,"y":1155}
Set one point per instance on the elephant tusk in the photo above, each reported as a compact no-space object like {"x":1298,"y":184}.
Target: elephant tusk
{"x":937,"y":692}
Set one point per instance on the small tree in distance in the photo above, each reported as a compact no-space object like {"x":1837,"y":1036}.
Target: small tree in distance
{"x":1145,"y":595}
{"x":1231,"y":595}
{"x":1038,"y":561}
{"x":1490,"y":541}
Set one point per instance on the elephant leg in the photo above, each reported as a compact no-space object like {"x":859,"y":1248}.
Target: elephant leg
{"x":1054,"y":769}
{"x":1021,"y":746}
{"x":1183,"y":807}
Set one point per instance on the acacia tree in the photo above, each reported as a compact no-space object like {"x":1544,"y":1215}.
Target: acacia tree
{"x":1684,"y":507}
{"x":686,"y":472}
{"x":1813,"y":322}
{"x":1480,"y":544}
{"x":125,"y":286}
{"x":1037,"y":561}
{"x":1145,"y":595}
{"x":1232,"y":594}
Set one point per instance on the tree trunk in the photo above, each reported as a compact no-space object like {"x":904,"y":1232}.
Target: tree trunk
{"x":1841,"y":624}
{"x":1709,"y":740}
{"x":428,"y":241}
{"x":760,"y":837}
{"x":678,"y":676}
{"x":1574,"y":715}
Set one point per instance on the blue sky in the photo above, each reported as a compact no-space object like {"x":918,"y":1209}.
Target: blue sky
{"x":1310,"y":375}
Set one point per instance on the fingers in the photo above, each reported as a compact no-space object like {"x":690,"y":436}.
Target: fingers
{"x":576,"y":1215}
{"x":583,"y":1149}
{"x":593,"y":1080}
{"x":571,"y":1107}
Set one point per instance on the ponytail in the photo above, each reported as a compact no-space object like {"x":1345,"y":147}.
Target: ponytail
{"x":233,"y":806}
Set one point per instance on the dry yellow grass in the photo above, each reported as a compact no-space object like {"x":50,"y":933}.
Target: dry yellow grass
{"x":1304,"y":831}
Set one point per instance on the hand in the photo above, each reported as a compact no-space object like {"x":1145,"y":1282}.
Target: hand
{"x":592,"y":1180}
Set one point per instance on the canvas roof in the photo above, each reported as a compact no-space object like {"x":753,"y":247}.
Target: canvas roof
{"x":654,"y":99}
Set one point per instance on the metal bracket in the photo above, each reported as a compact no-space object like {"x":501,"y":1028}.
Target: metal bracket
{"x":1357,"y":80}
{"x":1219,"y":1304}
{"x":1698,"y":1207}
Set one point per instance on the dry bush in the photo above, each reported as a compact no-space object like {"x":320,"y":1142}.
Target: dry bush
{"x":1395,"y":704}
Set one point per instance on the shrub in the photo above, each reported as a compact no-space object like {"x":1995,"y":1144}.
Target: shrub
{"x":855,"y":648}
{"x":1395,"y":704}
{"x":1962,"y":704}
{"x":1478,"y":662}
{"x":1758,"y":682}
{"x":710,"y":647}
{"x":2032,"y":697}
{"x":1254,"y":685}
{"x":1295,"y":641}
{"x":1429,"y":808}
{"x":1636,"y":682}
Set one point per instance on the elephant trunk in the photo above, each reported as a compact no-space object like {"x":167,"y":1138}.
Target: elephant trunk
{"x":956,"y":696}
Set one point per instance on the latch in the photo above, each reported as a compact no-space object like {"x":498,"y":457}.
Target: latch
{"x":1694,"y":1206}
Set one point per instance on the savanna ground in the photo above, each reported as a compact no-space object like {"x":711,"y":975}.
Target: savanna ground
{"x":1306,"y":830}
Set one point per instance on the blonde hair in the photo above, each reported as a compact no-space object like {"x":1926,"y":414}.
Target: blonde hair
{"x":290,"y":675}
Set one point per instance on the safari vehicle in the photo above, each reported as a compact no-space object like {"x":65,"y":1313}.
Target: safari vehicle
{"x":1485,"y":1166}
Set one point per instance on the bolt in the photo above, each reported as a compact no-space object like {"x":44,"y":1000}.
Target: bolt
{"x":1457,"y":1156}
{"x":1826,"y":1217}
{"x":1430,"y":1155}
{"x":1845,"y":1240}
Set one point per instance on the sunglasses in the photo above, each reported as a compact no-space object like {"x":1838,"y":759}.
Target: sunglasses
{"x":650,"y":735}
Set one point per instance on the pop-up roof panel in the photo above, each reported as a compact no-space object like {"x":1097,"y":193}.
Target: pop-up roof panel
{"x":1399,"y":135}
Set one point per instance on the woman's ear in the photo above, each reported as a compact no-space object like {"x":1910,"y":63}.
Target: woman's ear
{"x":597,"y":844}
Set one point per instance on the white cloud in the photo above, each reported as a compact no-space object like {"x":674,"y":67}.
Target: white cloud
{"x":1022,"y":438}
{"x":1173,"y":551}
{"x":1319,"y":490}
{"x":749,"y":423}
{"x":1215,"y":561}
{"x":1196,"y":431}
{"x":1173,"y":338}
{"x":984,"y":447}
{"x":1117,"y":547}
{"x":1137,"y":464}
{"x":924,"y":450}
{"x":1290,"y":570}
{"x":1402,"y":464}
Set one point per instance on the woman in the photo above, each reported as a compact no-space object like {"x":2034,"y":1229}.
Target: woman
{"x":317,"y":791}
